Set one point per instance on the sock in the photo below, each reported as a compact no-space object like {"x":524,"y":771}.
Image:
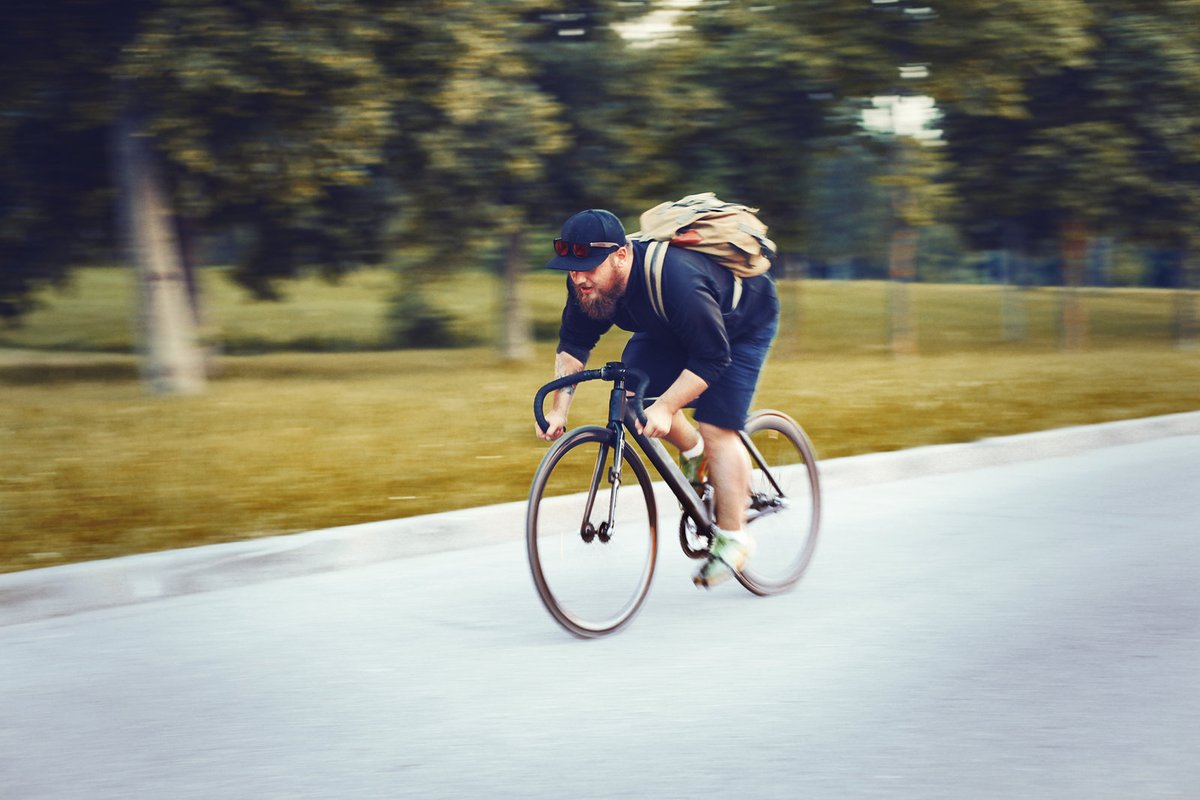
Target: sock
{"x":738,"y":535}
{"x":695,"y":451}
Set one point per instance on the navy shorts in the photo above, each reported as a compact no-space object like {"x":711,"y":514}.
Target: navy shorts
{"x":725,"y":403}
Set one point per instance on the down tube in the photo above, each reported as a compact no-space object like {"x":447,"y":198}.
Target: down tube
{"x":657,"y":454}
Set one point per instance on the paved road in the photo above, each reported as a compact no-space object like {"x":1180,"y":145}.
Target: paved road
{"x":1030,"y":630}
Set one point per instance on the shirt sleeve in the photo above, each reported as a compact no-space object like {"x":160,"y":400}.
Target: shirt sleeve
{"x":578,"y":333}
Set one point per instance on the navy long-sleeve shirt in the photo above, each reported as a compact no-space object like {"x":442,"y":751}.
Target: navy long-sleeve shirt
{"x":697,"y":294}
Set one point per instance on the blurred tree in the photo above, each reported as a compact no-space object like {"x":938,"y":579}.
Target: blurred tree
{"x":615,"y":101}
{"x":847,"y":210}
{"x":784,"y":77}
{"x":244,"y":113}
{"x":538,"y":114}
{"x":55,"y":188}
{"x":271,"y":117}
{"x":330,"y":132}
{"x":754,"y":90}
{"x":471,"y":172}
{"x":1102,"y":142}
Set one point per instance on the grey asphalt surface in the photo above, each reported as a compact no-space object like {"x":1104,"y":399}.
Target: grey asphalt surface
{"x":1015,"y":618}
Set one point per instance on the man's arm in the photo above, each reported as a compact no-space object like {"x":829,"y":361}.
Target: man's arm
{"x":686,"y":388}
{"x":564,"y":364}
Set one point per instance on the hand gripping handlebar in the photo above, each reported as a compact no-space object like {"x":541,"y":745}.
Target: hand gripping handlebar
{"x":613,"y":371}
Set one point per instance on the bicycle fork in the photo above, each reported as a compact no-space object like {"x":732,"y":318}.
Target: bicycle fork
{"x":587,"y":530}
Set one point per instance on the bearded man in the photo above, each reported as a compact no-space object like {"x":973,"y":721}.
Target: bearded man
{"x":707,"y":355}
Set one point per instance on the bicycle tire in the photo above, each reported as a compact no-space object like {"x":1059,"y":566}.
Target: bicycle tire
{"x":786,"y":535}
{"x":556,"y":498}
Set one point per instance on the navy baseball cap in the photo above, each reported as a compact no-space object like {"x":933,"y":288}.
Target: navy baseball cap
{"x":587,"y":239}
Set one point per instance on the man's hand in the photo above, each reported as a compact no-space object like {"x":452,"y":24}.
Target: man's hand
{"x":557,"y":425}
{"x":660,"y":414}
{"x":658,"y":420}
{"x":556,"y":419}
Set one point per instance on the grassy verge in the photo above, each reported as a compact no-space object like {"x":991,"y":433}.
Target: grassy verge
{"x":290,"y":441}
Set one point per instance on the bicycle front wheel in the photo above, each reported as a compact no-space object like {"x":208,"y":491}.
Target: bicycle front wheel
{"x":592,"y":574}
{"x":785,"y":503}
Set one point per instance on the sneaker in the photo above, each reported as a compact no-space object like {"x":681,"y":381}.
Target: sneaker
{"x":694,"y":469}
{"x":728,"y":555}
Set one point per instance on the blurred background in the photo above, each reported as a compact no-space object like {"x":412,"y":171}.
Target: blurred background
{"x":318,"y":226}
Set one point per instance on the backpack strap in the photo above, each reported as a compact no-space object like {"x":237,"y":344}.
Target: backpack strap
{"x":656,"y":254}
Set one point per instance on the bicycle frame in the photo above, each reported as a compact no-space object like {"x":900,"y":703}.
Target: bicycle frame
{"x":623,"y":418}
{"x":599,"y":451}
{"x":622,"y":415}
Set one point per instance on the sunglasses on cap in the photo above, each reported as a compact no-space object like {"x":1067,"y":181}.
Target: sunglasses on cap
{"x":579,"y":249}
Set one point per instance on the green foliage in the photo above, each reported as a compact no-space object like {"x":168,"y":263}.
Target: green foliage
{"x":292,"y":91}
{"x":55,"y":196}
{"x":1106,"y":137}
{"x":849,"y":214}
{"x":329,"y":134}
{"x":414,"y":322}
{"x":941,"y":258}
{"x":748,"y":96}
{"x":287,"y":442}
{"x":984,"y":55}
{"x":272,"y":117}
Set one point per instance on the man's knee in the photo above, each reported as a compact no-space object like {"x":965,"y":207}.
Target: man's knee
{"x":715,"y":436}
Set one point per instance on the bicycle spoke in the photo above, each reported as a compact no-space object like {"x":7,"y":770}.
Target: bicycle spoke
{"x":591,"y":585}
{"x":785,"y":503}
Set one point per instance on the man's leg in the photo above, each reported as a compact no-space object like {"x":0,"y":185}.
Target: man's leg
{"x":729,"y":474}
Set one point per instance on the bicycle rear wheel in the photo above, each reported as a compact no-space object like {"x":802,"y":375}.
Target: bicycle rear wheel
{"x":592,"y":578}
{"x":785,"y":503}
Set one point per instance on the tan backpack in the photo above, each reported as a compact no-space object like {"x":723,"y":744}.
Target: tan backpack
{"x":729,"y":233}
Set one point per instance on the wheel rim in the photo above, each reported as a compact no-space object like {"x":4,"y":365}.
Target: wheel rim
{"x":591,"y":587}
{"x":784,"y":528}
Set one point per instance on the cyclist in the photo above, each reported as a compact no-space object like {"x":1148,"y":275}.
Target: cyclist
{"x":707,"y":356}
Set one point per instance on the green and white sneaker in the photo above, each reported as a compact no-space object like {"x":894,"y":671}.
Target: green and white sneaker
{"x":728,"y":555}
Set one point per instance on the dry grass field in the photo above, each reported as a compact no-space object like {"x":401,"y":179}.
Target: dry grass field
{"x":289,"y":438}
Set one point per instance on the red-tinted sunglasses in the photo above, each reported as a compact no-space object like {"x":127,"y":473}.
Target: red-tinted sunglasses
{"x":579,"y":249}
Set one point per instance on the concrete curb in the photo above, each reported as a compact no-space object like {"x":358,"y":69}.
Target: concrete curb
{"x":58,"y":591}
{"x":936,"y":459}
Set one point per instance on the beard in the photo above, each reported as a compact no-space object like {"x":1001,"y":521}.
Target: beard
{"x":597,"y":304}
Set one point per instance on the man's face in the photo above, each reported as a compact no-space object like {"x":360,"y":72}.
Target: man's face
{"x":599,"y":290}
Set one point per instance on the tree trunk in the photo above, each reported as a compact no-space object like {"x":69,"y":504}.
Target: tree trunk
{"x":902,"y":268}
{"x":1187,"y":334}
{"x":172,"y":362}
{"x":516,"y":338}
{"x":791,"y":312}
{"x":1072,"y":312}
{"x":1013,"y":318}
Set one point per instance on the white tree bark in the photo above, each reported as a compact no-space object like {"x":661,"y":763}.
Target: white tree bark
{"x":516,"y":337}
{"x":172,"y":359}
{"x":902,"y":269}
{"x":1187,"y":331}
{"x":1072,"y":313}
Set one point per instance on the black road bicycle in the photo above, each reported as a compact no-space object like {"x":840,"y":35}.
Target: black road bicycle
{"x":591,"y":530}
